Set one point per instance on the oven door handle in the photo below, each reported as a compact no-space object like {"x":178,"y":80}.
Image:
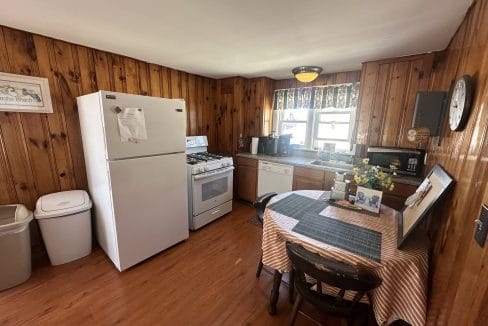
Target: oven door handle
{"x":212,"y":173}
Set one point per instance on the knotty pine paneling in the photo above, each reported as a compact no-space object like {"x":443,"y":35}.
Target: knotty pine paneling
{"x":243,"y":108}
{"x":459,"y":294}
{"x":42,"y":153}
{"x":387,"y":98}
{"x":458,"y":289}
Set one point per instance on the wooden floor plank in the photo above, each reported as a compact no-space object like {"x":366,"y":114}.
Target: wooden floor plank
{"x":207,"y":280}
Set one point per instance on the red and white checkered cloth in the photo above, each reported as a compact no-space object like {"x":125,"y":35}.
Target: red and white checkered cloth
{"x":403,"y":293}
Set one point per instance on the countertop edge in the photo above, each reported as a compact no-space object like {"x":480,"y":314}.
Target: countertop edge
{"x":305,"y":162}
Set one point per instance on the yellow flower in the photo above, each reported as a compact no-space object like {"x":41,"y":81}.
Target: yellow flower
{"x":365,"y":160}
{"x":392,"y":186}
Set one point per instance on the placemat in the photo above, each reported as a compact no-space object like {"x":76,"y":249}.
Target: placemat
{"x":350,"y":237}
{"x":295,"y":206}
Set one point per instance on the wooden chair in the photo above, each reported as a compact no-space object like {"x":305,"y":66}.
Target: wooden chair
{"x":260,"y":205}
{"x":340,"y":275}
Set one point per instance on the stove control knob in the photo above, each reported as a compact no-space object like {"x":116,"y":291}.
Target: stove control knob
{"x":205,"y":168}
{"x":222,"y":165}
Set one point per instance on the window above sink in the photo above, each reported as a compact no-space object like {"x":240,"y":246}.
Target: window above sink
{"x":317,"y":115}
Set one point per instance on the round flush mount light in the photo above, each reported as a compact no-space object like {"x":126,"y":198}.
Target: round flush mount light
{"x":306,"y":74}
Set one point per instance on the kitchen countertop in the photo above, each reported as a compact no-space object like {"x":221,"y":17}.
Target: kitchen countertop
{"x":305,"y":162}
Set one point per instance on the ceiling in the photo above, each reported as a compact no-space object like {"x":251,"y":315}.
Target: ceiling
{"x":249,"y":38}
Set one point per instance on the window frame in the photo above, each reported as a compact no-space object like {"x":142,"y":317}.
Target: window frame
{"x":316,"y":123}
{"x":308,"y":126}
{"x":312,"y":123}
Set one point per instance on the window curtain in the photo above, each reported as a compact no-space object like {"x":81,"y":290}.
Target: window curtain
{"x":342,"y":96}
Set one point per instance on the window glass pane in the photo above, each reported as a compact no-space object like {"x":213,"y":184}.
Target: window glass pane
{"x":333,"y":131}
{"x":334,"y":117}
{"x":295,"y":115}
{"x":340,"y":145}
{"x":298,"y":130}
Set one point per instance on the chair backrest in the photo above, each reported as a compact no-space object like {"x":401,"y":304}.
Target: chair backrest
{"x":260,"y":204}
{"x":335,"y":273}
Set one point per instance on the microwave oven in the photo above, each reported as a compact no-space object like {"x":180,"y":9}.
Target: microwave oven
{"x":407,"y":160}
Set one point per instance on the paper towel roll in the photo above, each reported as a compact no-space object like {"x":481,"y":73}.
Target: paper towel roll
{"x":254,"y":145}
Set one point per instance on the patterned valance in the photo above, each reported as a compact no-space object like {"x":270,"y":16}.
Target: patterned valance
{"x":343,"y":96}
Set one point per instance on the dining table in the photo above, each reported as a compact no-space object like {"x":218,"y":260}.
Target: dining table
{"x":310,"y":219}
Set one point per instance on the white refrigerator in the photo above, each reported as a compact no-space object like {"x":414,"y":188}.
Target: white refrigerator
{"x":138,"y":185}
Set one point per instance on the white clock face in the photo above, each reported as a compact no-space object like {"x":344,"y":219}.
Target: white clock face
{"x":457,"y":105}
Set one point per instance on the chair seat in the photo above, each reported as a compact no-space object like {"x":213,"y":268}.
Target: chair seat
{"x":348,"y":295}
{"x":329,"y":303}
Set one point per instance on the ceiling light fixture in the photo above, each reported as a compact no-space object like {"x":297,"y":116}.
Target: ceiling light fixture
{"x":306,"y":74}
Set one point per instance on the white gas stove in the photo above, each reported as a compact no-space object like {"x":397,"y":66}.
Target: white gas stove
{"x":210,"y":180}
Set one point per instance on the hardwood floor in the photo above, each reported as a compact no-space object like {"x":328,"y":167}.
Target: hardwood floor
{"x":207,"y":280}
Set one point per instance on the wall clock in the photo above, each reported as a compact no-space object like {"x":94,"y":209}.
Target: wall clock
{"x":461,"y":101}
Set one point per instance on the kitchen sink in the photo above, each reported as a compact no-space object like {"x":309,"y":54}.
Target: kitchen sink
{"x":333,"y":164}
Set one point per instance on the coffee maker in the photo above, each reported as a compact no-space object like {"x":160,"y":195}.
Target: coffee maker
{"x":284,"y":145}
{"x":262,"y":144}
{"x":272,"y":145}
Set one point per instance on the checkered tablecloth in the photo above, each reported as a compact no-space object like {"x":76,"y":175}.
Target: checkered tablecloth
{"x":403,"y":293}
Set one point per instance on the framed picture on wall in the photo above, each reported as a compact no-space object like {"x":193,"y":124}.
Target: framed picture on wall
{"x":19,"y":93}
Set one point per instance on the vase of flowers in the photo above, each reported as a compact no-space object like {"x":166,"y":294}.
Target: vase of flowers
{"x":371,"y":182}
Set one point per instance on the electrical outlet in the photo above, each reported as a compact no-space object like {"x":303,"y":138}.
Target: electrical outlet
{"x":482,"y":226}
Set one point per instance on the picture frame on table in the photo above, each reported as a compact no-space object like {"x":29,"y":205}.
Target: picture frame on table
{"x":369,"y":199}
{"x":21,"y":93}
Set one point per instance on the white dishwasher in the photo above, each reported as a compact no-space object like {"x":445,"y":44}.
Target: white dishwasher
{"x":274,"y":177}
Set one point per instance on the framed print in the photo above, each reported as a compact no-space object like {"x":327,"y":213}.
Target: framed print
{"x":19,"y":93}
{"x":418,"y":206}
{"x":368,"y":199}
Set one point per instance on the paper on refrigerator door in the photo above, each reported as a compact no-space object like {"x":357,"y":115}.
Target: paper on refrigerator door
{"x":132,"y":125}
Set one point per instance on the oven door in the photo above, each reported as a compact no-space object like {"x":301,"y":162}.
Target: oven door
{"x":211,"y":189}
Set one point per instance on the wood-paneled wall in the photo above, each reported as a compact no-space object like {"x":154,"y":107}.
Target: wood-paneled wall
{"x":42,"y":153}
{"x":460,"y":267}
{"x":244,"y":106}
{"x":243,"y":109}
{"x":387,"y":98}
{"x":459,"y":286}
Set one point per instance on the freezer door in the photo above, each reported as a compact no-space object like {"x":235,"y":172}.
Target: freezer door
{"x":165,"y":122}
{"x":150,"y":205}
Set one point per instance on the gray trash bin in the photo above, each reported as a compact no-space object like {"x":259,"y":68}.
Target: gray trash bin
{"x":15,"y":249}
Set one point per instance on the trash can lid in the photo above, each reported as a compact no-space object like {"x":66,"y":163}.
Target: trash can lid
{"x":14,"y":217}
{"x":62,"y":203}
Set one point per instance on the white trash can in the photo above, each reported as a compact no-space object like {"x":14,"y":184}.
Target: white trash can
{"x":15,"y":248}
{"x":65,"y":222}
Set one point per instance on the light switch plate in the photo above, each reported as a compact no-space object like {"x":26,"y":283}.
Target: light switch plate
{"x":482,"y":226}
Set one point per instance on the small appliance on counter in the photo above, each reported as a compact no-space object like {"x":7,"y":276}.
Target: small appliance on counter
{"x":274,"y":146}
{"x":262,"y":144}
{"x":284,"y":145}
{"x":409,"y":161}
